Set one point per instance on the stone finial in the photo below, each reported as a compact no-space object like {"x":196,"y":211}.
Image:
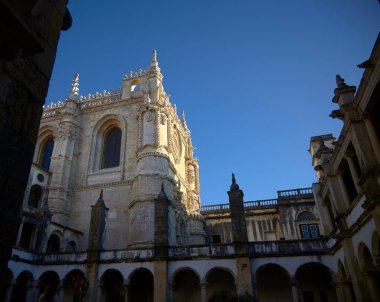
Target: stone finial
{"x":183,"y":116}
{"x":74,"y":92}
{"x":234,"y":185}
{"x":340,"y":82}
{"x":154,"y":58}
{"x":153,"y":68}
{"x":162,"y":193}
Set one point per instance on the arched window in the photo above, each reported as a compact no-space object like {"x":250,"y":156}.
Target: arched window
{"x":135,"y":85}
{"x":306,"y":216}
{"x":54,"y":244}
{"x":46,"y":152}
{"x":35,"y":196}
{"x":308,"y":229}
{"x":111,"y":148}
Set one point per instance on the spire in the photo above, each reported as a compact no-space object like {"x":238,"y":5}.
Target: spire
{"x":234,"y":185}
{"x":74,"y":92}
{"x":100,"y":199}
{"x":162,"y":193}
{"x":153,"y":68}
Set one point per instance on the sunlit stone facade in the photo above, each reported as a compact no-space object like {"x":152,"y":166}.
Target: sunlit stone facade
{"x":112,"y":210}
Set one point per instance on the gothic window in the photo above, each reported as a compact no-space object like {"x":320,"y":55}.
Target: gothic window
{"x":46,"y":152}
{"x":111,"y":148}
{"x":35,"y":196}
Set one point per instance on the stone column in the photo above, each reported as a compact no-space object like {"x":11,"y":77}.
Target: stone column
{"x":8,"y":290}
{"x":19,"y":232}
{"x":339,"y":288}
{"x":170,"y":292}
{"x":295,"y":291}
{"x":125,"y":290}
{"x":342,"y":185}
{"x":60,"y":293}
{"x":99,"y":292}
{"x":353,"y":170}
{"x":373,"y":137}
{"x":203,"y":292}
{"x":160,"y":284}
{"x":374,"y":291}
{"x":30,"y":294}
{"x":244,"y":276}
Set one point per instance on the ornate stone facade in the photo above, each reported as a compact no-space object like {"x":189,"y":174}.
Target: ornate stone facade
{"x":147,"y":237}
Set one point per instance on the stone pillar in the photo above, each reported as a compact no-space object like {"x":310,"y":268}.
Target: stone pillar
{"x":19,"y":233}
{"x":8,"y":290}
{"x":170,"y":292}
{"x":30,"y":294}
{"x":295,"y":291}
{"x":373,"y":286}
{"x":125,"y":290}
{"x":99,"y":295}
{"x":339,"y":288}
{"x":60,"y":293}
{"x":244,"y":276}
{"x":353,"y":170}
{"x":373,"y":137}
{"x":203,"y":292}
{"x":160,"y":283}
{"x":161,"y":221}
{"x":95,"y":246}
{"x":238,"y":223}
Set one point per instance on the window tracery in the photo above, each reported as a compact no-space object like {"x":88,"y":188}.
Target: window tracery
{"x":111,"y":148}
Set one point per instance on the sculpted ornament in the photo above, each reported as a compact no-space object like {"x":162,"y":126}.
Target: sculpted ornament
{"x":149,"y":116}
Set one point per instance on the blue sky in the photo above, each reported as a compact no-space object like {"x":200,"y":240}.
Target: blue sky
{"x":255,"y":78}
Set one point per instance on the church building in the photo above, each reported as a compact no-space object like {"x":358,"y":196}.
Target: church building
{"x":112,"y":210}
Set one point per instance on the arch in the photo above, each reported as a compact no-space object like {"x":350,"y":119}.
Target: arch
{"x":20,"y":289}
{"x":75,"y":285}
{"x":375,"y":244}
{"x":49,"y":283}
{"x":220,"y":283}
{"x":140,"y":286}
{"x":186,"y":285}
{"x":112,"y":281}
{"x":28,"y":234}
{"x":35,"y":195}
{"x":111,"y":148}
{"x":373,"y":108}
{"x":306,"y":216}
{"x":135,"y":85}
{"x":46,"y":152}
{"x":178,"y":270}
{"x":53,"y":244}
{"x":273,"y":283}
{"x":365,"y":257}
{"x":101,"y":127}
{"x":71,"y":246}
{"x":315,"y":282}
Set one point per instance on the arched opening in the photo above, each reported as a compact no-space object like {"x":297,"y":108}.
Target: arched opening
{"x":46,"y":153}
{"x":186,"y":286}
{"x":27,"y":235}
{"x":373,"y":109}
{"x":315,"y":283}
{"x":35,"y":195}
{"x":140,"y":288}
{"x":71,"y":246}
{"x":111,"y":148}
{"x":113,"y":290}
{"x":48,"y":284}
{"x":20,"y":289}
{"x":75,"y":286}
{"x":370,"y":274}
{"x":135,"y":85}
{"x":53,"y":244}
{"x":273,"y":284}
{"x":220,"y":285}
{"x":348,"y":290}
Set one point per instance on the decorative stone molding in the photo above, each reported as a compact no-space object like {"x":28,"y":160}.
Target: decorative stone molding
{"x":104,"y":185}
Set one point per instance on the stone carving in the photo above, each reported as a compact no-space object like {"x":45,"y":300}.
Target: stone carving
{"x":149,"y":116}
{"x":181,"y":225}
{"x":67,"y":132}
{"x":163,"y":119}
{"x":74,"y":92}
